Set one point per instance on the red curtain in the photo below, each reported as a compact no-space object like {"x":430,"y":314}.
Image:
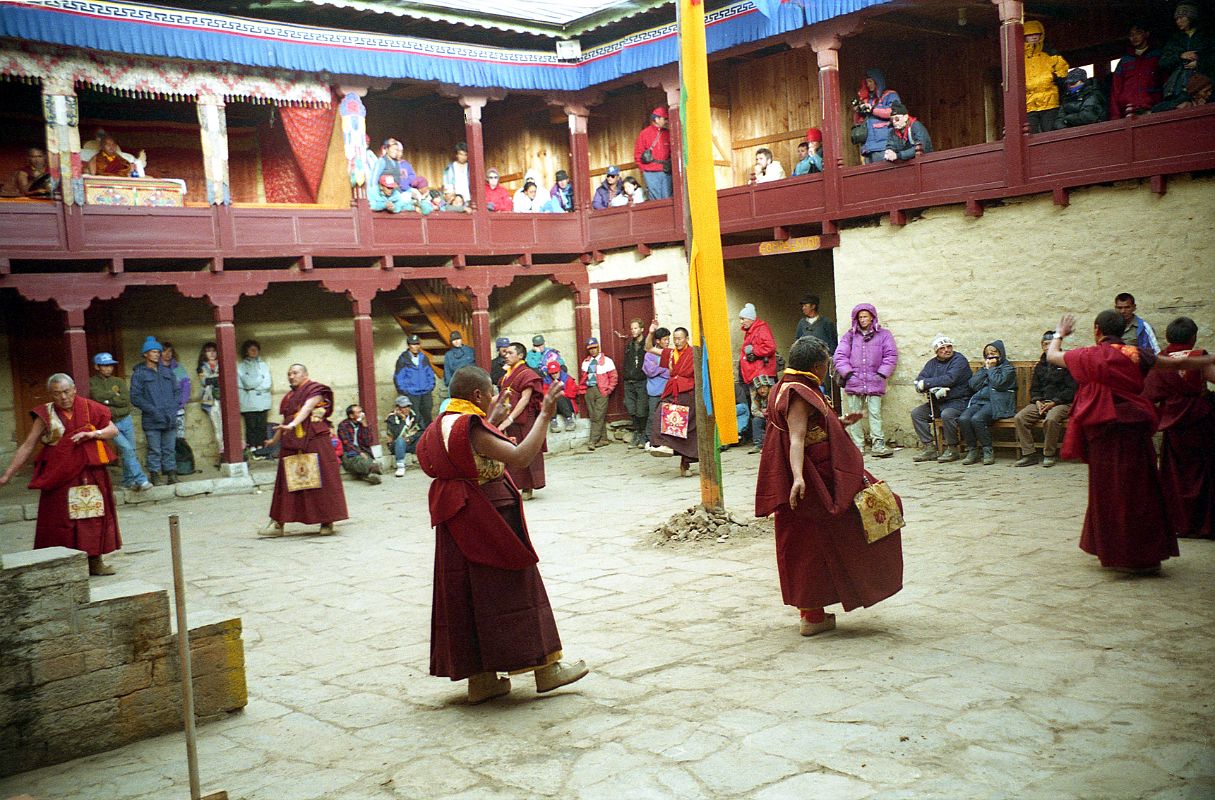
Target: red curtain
{"x":294,"y":153}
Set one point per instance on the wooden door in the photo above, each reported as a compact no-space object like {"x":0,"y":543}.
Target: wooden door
{"x":38,"y":349}
{"x":618,"y":305}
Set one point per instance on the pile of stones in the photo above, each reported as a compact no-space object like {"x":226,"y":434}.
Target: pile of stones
{"x":704,"y":525}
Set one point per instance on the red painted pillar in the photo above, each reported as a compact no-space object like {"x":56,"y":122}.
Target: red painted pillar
{"x":580,"y":158}
{"x":78,"y":349}
{"x":483,"y":344}
{"x":229,"y":396}
{"x":672,"y":90}
{"x":1012,"y":62}
{"x":827,"y":50}
{"x":472,"y":105}
{"x":364,"y":360}
{"x":582,"y":316}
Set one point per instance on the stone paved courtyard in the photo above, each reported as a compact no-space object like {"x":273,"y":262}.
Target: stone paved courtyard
{"x":1010,"y":665}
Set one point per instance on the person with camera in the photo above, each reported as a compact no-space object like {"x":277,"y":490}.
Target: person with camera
{"x":758,"y":354}
{"x":652,"y":152}
{"x":871,"y":115}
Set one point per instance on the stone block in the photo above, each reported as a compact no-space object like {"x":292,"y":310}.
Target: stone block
{"x":237,"y":469}
{"x":14,"y":513}
{"x":135,"y":606}
{"x":42,"y":558}
{"x":194,"y":488}
{"x":96,"y":686}
{"x":222,"y":486}
{"x":30,"y":510}
{"x":55,"y":669}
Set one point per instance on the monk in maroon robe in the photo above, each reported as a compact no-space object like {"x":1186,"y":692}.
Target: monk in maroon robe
{"x":74,"y":432}
{"x":526,"y":392}
{"x":108,"y":161}
{"x":810,"y":471}
{"x":490,"y":612}
{"x":306,"y":410}
{"x":1110,"y":428}
{"x":1187,"y":420}
{"x":680,"y":390}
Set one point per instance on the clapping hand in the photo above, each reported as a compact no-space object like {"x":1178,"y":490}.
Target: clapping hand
{"x":1067,"y":324}
{"x":549,"y":406}
{"x":500,"y":408}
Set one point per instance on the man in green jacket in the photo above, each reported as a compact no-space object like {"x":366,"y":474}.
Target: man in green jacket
{"x":111,"y":391}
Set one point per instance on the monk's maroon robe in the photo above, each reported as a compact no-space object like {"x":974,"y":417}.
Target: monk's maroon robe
{"x":520,"y":378}
{"x":60,"y":466}
{"x":1110,"y":428}
{"x":490,"y":612}
{"x":680,"y":389}
{"x":1187,"y":457}
{"x":313,"y":435}
{"x":822,"y":554}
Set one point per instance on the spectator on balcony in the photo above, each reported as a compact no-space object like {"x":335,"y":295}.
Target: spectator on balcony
{"x":872,"y":108}
{"x":1191,"y":49}
{"x":767,"y":169}
{"x":946,"y":379}
{"x":456,"y":173}
{"x":460,"y":355}
{"x":810,"y":154}
{"x":109,"y":160}
{"x":1051,"y":392}
{"x":525,"y":201}
{"x":1135,"y":86}
{"x":32,"y":180}
{"x":1043,"y":68}
{"x":1138,"y":333}
{"x":561,"y":196}
{"x":908,"y":137}
{"x":652,"y":153}
{"x":632,"y":194}
{"x":864,"y":361}
{"x":1082,"y":102}
{"x":993,"y":396}
{"x":497,"y":367}
{"x":388,"y":197}
{"x":357,"y":438}
{"x":389,"y":162}
{"x":609,"y":189}
{"x":497,"y":198}
{"x":415,"y":377}
{"x":458,"y":205}
{"x":1195,"y":92}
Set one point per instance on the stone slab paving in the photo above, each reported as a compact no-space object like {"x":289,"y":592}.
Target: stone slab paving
{"x":1011,"y":665}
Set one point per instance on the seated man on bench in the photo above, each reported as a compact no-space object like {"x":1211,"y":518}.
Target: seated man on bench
{"x":1050,"y":401}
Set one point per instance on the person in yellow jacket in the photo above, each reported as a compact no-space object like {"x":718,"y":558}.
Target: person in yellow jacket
{"x":1042,"y":69}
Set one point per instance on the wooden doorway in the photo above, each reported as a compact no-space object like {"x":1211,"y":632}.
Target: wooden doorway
{"x":619,"y":303}
{"x":38,"y":349}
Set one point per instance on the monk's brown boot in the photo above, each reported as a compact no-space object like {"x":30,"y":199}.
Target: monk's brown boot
{"x":486,"y":686}
{"x":327,"y":529}
{"x":272,"y":530}
{"x":554,"y":676}
{"x":99,"y":567}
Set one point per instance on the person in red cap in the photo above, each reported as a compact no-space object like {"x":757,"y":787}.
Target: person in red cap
{"x":810,"y":154}
{"x":567,"y":404}
{"x":652,"y":152}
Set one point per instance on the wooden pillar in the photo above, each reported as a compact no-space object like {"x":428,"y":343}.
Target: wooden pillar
{"x":580,"y":157}
{"x":1012,"y":64}
{"x":483,"y":343}
{"x":677,"y":193}
{"x":827,"y":50}
{"x":78,"y":349}
{"x":61,"y":112}
{"x":582,"y":315}
{"x":364,"y":359}
{"x":473,"y":137}
{"x":213,"y":127}
{"x":229,"y":396}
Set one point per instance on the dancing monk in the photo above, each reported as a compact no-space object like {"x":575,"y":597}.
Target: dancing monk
{"x":809,"y":474}
{"x":73,"y":431}
{"x":1110,"y":429}
{"x":317,"y":495}
{"x":490,"y":612}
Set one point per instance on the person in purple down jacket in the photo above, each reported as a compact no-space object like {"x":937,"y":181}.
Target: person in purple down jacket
{"x":865,"y":359}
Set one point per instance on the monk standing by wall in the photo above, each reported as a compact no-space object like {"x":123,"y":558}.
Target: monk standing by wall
{"x":73,"y":431}
{"x":490,"y":612}
{"x":809,"y":473}
{"x":1110,"y":429}
{"x":305,"y":429}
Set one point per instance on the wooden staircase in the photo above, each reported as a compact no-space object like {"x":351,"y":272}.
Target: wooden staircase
{"x":432,"y":310}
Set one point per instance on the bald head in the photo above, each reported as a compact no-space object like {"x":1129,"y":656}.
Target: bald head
{"x":468,"y":380}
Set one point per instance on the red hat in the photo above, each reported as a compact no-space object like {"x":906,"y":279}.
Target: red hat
{"x":553,"y":367}
{"x":659,"y":112}
{"x":387,"y":181}
{"x":814,"y":135}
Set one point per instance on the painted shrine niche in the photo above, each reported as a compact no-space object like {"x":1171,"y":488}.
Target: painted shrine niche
{"x":22,"y":130}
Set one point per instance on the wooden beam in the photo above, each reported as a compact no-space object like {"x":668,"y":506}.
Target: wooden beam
{"x":974,"y":208}
{"x":217,"y":264}
{"x":643,"y":250}
{"x":740,"y":144}
{"x":1061,"y":196}
{"x":1160,"y":184}
{"x":386,"y":261}
{"x":306,"y":263}
{"x":898,"y":217}
{"x":459,"y":261}
{"x":116,"y":266}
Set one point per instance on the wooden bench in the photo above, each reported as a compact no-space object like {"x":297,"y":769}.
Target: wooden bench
{"x":1004,"y":431}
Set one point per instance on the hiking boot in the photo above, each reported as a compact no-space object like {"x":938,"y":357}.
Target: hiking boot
{"x":170,"y":477}
{"x":989,"y":456}
{"x":972,"y":457}
{"x":99,"y":567}
{"x":569,"y":423}
{"x":949,"y":455}
{"x":928,"y":453}
{"x":1048,"y":461}
{"x":1027,"y":460}
{"x":553,"y":427}
{"x":326,"y":529}
{"x":880,"y":450}
{"x":155,"y":478}
{"x":554,"y":676}
{"x":526,"y":494}
{"x":372,"y":478}
{"x":486,"y":686}
{"x":809,"y":628}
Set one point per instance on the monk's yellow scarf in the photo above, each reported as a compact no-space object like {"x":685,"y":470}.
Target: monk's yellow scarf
{"x":458,"y":406}
{"x":675,"y":356}
{"x":811,"y":375}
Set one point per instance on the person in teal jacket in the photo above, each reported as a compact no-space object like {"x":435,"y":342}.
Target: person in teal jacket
{"x":994,"y":396}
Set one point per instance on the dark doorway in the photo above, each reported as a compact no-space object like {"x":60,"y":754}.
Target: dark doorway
{"x":618,"y":305}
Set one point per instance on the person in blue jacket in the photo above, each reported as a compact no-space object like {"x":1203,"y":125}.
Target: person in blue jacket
{"x":994,"y":396}
{"x":415,"y":378}
{"x":946,"y":379}
{"x":460,"y":355}
{"x":154,"y":391}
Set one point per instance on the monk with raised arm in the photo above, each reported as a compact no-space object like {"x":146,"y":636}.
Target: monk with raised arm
{"x":1110,"y":429}
{"x":490,"y":613}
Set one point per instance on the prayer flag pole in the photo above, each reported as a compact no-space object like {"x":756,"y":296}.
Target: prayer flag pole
{"x":706,"y":273}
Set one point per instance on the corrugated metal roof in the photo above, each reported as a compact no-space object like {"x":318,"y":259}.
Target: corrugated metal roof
{"x":560,"y":18}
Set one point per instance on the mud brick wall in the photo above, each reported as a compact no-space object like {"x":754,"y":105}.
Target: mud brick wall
{"x":86,"y":669}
